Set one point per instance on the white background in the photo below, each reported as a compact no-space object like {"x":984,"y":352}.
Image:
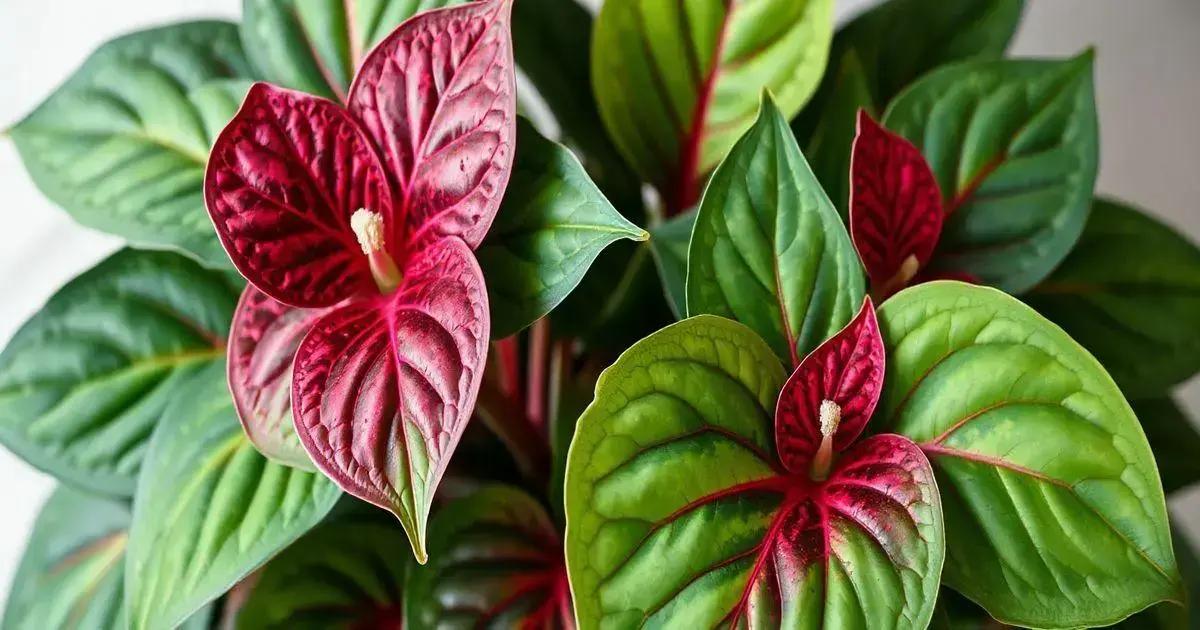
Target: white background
{"x":1148,"y":87}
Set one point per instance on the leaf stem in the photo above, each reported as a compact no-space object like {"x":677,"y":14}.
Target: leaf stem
{"x":539,"y":356}
{"x":508,"y":362}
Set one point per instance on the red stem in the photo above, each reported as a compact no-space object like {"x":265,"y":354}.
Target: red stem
{"x":539,"y":355}
{"x":509,"y":363}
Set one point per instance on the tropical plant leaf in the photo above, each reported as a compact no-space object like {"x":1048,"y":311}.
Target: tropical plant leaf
{"x":1170,"y":615}
{"x":769,"y":249}
{"x":209,"y":509}
{"x":495,"y":561}
{"x":669,"y":243}
{"x":678,"y":83}
{"x":318,"y":46}
{"x":552,"y":224}
{"x":84,"y":381}
{"x":71,"y":575}
{"x":121,"y":145}
{"x":1013,"y":145}
{"x":680,"y":514}
{"x":1174,"y":440}
{"x":344,"y":574}
{"x":1130,"y":293}
{"x":1055,"y":515}
{"x":828,"y":149}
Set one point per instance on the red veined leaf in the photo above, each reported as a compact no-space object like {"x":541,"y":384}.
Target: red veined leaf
{"x":383,"y":388}
{"x":895,"y":207}
{"x":439,"y":97}
{"x":847,"y":370}
{"x":262,"y":343}
{"x":283,"y":180}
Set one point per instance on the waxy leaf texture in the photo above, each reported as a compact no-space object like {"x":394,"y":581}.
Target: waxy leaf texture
{"x":372,"y":212}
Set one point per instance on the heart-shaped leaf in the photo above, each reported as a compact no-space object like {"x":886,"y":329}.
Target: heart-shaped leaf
{"x":84,"y":382}
{"x":122,"y":144}
{"x":263,"y":340}
{"x":679,"y":513}
{"x":769,"y":249}
{"x":1055,"y":516}
{"x":669,"y":243}
{"x":496,"y":561}
{"x":209,"y":509}
{"x":1130,"y":293}
{"x":343,"y":574}
{"x":317,"y":46}
{"x":552,"y":224}
{"x":71,"y":575}
{"x":678,"y":83}
{"x":1174,"y":440}
{"x":1013,"y":145}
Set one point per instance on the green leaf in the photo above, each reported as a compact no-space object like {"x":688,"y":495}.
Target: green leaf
{"x":85,"y":380}
{"x":495,"y":560}
{"x":552,"y":224}
{"x":675,"y":503}
{"x":677,"y":83}
{"x":669,"y":243}
{"x":71,"y":574}
{"x":343,"y":574}
{"x":1170,"y":615}
{"x":122,"y":145}
{"x":829,"y":148}
{"x":209,"y":509}
{"x":1130,"y":293}
{"x":1174,"y":440}
{"x":769,"y":249}
{"x":317,"y":46}
{"x":1013,"y":145}
{"x":1055,"y":515}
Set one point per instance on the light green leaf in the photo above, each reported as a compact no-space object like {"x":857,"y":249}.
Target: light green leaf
{"x":1130,"y":293}
{"x":84,"y":382}
{"x":1013,"y":145}
{"x":70,"y":577}
{"x":343,"y":574}
{"x":552,"y":224}
{"x":669,"y":242}
{"x":122,"y":145}
{"x":209,"y":509}
{"x":769,"y":249}
{"x":678,"y":82}
{"x":1055,"y":515}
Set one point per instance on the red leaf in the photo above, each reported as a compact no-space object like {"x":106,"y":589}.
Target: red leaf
{"x":283,"y":179}
{"x":846,"y":369}
{"x":439,"y":97}
{"x":895,"y":207}
{"x":384,"y":388}
{"x":262,"y":342}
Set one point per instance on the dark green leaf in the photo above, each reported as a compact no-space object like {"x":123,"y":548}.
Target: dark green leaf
{"x":1013,"y":145}
{"x":122,"y":144}
{"x":829,"y":148}
{"x":1174,"y":440}
{"x":83,"y":383}
{"x":769,"y":249}
{"x":495,"y":560}
{"x":209,"y":508}
{"x":552,"y":224}
{"x":669,"y":242}
{"x":1055,"y":516}
{"x":1130,"y":293}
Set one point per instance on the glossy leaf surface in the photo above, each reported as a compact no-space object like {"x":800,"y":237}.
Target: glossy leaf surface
{"x":84,"y":381}
{"x":895,"y":207}
{"x":828,"y":148}
{"x":383,"y":388}
{"x":679,"y":514}
{"x":1013,"y":145}
{"x":209,"y":509}
{"x":345,"y":574}
{"x":316,"y":47}
{"x":769,"y":249}
{"x":495,"y":562}
{"x":669,"y":243}
{"x":1055,"y":516}
{"x":552,"y":224}
{"x":121,"y":145}
{"x":263,"y":340}
{"x":1173,"y":438}
{"x":438,"y":95}
{"x":678,"y":83}
{"x":1130,"y":293}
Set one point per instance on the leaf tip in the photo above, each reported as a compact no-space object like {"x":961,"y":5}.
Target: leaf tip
{"x":639,"y":235}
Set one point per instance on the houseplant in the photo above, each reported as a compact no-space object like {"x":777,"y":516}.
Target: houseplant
{"x":908,"y":387}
